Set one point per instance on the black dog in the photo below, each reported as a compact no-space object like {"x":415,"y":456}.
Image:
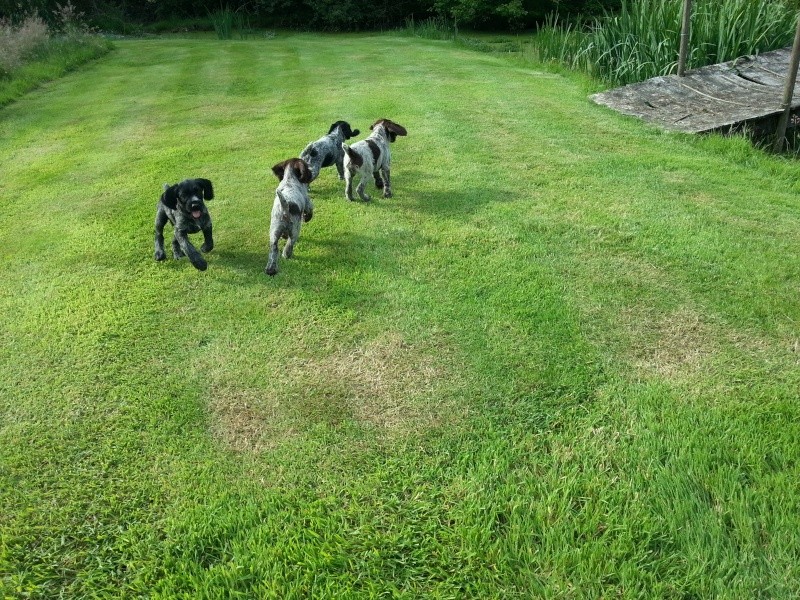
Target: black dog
{"x":183,"y":205}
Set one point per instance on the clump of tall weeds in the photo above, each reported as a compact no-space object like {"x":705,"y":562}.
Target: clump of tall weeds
{"x":21,"y":42}
{"x":642,"y":39}
{"x":31,"y":51}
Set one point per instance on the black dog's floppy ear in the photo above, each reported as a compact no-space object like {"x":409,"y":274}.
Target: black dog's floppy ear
{"x":170,"y":196}
{"x":301,"y":171}
{"x":348,"y":133}
{"x":280,"y":169}
{"x":208,"y":191}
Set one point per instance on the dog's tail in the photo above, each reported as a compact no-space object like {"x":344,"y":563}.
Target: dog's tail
{"x":288,"y":207}
{"x":355,"y":157}
{"x":282,"y":200}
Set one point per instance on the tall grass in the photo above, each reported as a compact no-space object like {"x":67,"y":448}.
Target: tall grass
{"x":226,"y":21}
{"x":32,"y":53}
{"x":432,"y":28}
{"x":641,"y":40}
{"x":18,"y":43}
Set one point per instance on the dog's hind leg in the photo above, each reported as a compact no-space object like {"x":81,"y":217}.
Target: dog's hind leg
{"x":387,"y":187}
{"x":272,"y":262}
{"x":348,"y":185}
{"x":360,"y":189}
{"x":294,"y":235}
{"x":288,"y":249}
{"x":161,"y":220}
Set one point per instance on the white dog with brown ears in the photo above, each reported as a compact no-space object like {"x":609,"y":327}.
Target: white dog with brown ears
{"x":371,"y":158}
{"x":290,"y":209}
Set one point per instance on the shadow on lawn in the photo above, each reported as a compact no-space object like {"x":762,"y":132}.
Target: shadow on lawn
{"x":318,"y":257}
{"x":446,"y":201}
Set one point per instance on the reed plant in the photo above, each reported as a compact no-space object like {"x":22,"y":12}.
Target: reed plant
{"x":227,"y":21}
{"x":223,"y":21}
{"x":641,"y":40}
{"x":432,"y":28}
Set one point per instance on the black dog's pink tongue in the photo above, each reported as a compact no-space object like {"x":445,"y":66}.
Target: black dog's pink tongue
{"x":196,"y":214}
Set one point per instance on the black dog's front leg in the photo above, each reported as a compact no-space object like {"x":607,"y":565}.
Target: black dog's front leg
{"x":161,"y":220}
{"x":208,"y":244}
{"x":181,"y":243}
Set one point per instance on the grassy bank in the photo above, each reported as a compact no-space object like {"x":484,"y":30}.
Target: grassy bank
{"x":32,"y":54}
{"x":562,"y":361}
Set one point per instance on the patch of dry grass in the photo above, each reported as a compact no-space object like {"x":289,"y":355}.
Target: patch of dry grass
{"x":387,"y":383}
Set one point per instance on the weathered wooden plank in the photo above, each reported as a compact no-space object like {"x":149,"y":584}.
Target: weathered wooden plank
{"x":711,"y":98}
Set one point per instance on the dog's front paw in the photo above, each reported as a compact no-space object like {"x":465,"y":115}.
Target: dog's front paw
{"x":160,"y":255}
{"x":387,"y":193}
{"x":271,"y":270}
{"x":207,"y":247}
{"x":200,"y":265}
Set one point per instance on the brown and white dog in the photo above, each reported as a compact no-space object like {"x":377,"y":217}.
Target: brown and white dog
{"x":290,"y":209}
{"x":371,"y":158}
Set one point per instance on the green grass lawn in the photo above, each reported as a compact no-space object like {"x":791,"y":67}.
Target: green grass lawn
{"x":561,"y":362}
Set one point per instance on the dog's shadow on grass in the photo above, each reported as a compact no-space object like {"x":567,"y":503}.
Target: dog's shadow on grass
{"x":450,"y":200}
{"x":324,"y":263}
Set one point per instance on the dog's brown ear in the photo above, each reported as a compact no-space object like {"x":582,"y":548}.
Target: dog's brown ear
{"x":395,"y":128}
{"x":169,"y":197}
{"x":302,"y":171}
{"x":208,"y":190}
{"x":280,"y":169}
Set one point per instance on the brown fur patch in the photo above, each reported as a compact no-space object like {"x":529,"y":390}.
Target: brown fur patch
{"x":376,"y":151}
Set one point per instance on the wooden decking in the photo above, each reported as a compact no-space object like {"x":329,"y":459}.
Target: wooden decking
{"x":723,"y":97}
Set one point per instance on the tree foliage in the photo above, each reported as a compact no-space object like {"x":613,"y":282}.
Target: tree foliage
{"x":334,"y":15}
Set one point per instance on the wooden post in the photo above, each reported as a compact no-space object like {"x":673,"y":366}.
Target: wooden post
{"x":685,"y":28}
{"x":788,"y":92}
